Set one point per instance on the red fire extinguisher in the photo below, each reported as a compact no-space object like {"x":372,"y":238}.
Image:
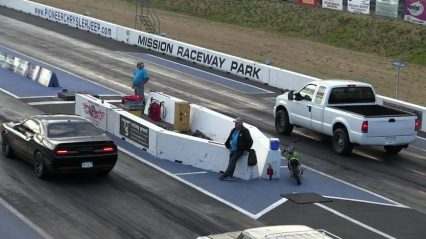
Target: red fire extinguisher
{"x":270,"y":172}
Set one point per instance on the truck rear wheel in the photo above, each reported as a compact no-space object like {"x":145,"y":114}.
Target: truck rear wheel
{"x":391,"y":149}
{"x":282,"y":123}
{"x":341,"y":143}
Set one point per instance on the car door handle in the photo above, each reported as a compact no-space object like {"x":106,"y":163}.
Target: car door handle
{"x":309,"y":108}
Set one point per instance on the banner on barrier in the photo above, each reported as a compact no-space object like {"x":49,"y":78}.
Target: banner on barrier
{"x":415,"y":11}
{"x":75,"y":20}
{"x":2,"y":58}
{"x":310,"y":3}
{"x":387,"y":8}
{"x":220,"y":61}
{"x":48,"y":78}
{"x":8,"y":62}
{"x":95,"y":113}
{"x":22,"y":68}
{"x":359,"y":6}
{"x":333,"y":4}
{"x":134,"y":131}
{"x":33,"y":72}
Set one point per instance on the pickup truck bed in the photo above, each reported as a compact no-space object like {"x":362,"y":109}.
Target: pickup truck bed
{"x":373,"y":110}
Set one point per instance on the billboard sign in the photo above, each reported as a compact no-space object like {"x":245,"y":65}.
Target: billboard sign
{"x":414,"y":11}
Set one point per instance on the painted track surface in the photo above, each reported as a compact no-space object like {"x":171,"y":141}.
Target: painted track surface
{"x":209,"y":218}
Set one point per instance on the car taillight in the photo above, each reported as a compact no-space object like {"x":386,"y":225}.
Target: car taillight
{"x":364,"y":127}
{"x":109,"y":149}
{"x":417,"y":124}
{"x":65,"y":152}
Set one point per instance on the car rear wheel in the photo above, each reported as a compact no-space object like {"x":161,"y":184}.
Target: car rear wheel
{"x":341,"y":143}
{"x":40,"y":166}
{"x":282,"y":123}
{"x":6,"y":149}
{"x":394,"y":149}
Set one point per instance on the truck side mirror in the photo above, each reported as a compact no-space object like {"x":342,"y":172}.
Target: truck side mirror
{"x":290,"y":95}
{"x":298,"y":96}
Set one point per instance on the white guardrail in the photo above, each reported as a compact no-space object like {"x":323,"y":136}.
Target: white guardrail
{"x":273,"y":76}
{"x":177,"y":147}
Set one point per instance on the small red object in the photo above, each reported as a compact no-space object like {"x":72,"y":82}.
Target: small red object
{"x":155,"y":111}
{"x":270,"y":172}
{"x":133,"y":98}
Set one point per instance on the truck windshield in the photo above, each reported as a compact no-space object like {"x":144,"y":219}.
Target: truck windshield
{"x":348,"y":95}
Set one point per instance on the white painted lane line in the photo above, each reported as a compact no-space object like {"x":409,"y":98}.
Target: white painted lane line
{"x":270,"y":208}
{"x":354,"y":186}
{"x":9,"y":93}
{"x":64,"y":102}
{"x":364,"y":201}
{"x":187,"y":183}
{"x":191,"y":173}
{"x":355,"y":221}
{"x":51,"y":102}
{"x":33,"y":226}
{"x":421,"y":138}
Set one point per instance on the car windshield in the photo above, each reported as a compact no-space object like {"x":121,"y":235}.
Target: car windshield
{"x":72,"y":129}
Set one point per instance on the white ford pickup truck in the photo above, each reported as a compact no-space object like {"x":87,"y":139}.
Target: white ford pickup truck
{"x":347,"y":111}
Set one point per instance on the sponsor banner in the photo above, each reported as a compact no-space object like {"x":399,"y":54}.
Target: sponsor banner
{"x":311,"y":3}
{"x":415,"y":11}
{"x":387,"y":8}
{"x":2,"y":58}
{"x":217,"y":60}
{"x":33,"y":72}
{"x":48,"y":78}
{"x":75,"y":20}
{"x":359,"y":6}
{"x":94,"y":112}
{"x":333,"y":4}
{"x":134,"y":131}
{"x":8,"y":62}
{"x":22,"y":68}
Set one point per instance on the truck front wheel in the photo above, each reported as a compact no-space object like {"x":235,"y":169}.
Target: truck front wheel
{"x":282,"y":123}
{"x":394,"y":149}
{"x":341,"y":143}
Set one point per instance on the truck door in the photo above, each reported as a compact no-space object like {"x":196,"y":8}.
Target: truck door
{"x":318,"y":110}
{"x":301,"y":109}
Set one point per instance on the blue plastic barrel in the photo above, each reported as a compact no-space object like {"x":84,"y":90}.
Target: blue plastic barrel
{"x":274,"y":143}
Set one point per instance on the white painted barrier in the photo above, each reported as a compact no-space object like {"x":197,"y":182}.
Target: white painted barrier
{"x":259,"y":72}
{"x":201,"y":153}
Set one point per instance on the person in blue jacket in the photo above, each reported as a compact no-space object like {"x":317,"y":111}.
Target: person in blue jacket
{"x":140,"y":78}
{"x":238,"y":142}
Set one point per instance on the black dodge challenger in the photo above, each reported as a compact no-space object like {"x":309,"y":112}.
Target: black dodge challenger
{"x":59,"y":144}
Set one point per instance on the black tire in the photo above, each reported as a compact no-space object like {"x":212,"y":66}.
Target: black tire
{"x":296,"y":175}
{"x":341,"y":143}
{"x":394,"y":150}
{"x":40,"y":166}
{"x":6,"y":149}
{"x":282,"y":123}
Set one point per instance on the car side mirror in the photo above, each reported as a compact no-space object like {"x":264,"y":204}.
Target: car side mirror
{"x":290,"y":95}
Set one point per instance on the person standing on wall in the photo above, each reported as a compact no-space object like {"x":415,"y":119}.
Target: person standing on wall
{"x":140,"y":78}
{"x":238,"y":142}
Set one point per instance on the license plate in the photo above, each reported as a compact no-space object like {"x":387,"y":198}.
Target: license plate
{"x":87,"y":164}
{"x":389,"y":140}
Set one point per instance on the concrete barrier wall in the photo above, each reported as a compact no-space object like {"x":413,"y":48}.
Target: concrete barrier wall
{"x":202,"y":153}
{"x":252,"y":70}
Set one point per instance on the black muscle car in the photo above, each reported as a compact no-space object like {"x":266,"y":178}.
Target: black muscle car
{"x":59,"y":144}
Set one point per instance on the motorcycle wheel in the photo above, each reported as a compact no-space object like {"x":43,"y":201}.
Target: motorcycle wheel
{"x":296,"y":175}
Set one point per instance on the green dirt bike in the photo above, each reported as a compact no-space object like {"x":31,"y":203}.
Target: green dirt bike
{"x":293,"y":162}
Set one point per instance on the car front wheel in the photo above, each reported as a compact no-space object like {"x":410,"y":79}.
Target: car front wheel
{"x":6,"y":149}
{"x":282,"y":123}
